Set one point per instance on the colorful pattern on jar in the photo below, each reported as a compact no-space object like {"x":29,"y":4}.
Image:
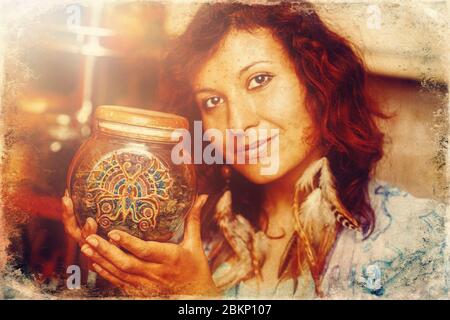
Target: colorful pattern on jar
{"x":128,"y":185}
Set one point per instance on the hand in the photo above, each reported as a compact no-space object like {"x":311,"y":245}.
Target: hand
{"x":151,"y":268}
{"x":71,"y":225}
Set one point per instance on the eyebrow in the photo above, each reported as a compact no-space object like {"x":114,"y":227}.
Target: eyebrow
{"x":251,"y":65}
{"x":205,"y":90}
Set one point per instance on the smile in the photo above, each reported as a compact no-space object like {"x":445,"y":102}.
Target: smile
{"x":223,"y":149}
{"x":256,"y":149}
{"x":258,"y":144}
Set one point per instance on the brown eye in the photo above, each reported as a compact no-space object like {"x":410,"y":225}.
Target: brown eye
{"x":213,"y":102}
{"x":259,"y":81}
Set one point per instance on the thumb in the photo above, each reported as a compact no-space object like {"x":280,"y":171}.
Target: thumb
{"x":192,"y":235}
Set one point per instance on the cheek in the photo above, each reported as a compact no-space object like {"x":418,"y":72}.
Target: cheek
{"x":218,"y":124}
{"x":284,"y":107}
{"x":283,"y":102}
{"x":298,"y":128}
{"x":213,"y":122}
{"x":295,"y":147}
{"x":297,"y":137}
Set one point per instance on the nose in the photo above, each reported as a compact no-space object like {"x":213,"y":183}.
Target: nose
{"x":241,"y":114}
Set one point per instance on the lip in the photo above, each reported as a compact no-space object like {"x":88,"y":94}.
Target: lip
{"x":258,"y":143}
{"x":253,"y":150}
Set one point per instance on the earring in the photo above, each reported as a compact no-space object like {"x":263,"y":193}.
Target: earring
{"x":225,"y":171}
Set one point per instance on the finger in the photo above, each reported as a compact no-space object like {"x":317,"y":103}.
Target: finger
{"x":69,"y":220}
{"x":138,"y":290}
{"x":90,"y":227}
{"x":192,"y":235}
{"x":67,"y":206}
{"x":151,"y":251}
{"x":148,"y":271}
{"x":121,"y":260}
{"x":110,"y":277}
{"x":96,"y":258}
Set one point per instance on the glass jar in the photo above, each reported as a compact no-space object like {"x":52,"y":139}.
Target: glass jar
{"x":123,"y":176}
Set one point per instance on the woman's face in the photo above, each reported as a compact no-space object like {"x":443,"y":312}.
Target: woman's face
{"x":250,"y":84}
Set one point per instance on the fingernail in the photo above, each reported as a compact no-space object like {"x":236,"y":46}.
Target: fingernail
{"x":114,"y":236}
{"x":92,"y":241}
{"x":96,"y":267}
{"x":90,"y":221}
{"x":66,"y":193}
{"x":87,"y":250}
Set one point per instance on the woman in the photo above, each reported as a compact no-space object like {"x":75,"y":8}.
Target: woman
{"x":319,"y":226}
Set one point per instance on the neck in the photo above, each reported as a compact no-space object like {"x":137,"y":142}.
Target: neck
{"x":278,"y":194}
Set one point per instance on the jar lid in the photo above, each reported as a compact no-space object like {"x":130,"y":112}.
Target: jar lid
{"x":141,"y":117}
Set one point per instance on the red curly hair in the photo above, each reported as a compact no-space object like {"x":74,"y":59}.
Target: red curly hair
{"x":332,"y":73}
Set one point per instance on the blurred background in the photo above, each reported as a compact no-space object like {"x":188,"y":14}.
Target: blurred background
{"x":59,"y":60}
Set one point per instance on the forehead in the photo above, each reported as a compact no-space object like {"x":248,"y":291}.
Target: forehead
{"x":237,"y":50}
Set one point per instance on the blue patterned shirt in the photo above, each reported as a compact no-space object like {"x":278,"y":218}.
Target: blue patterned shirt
{"x":403,"y":258}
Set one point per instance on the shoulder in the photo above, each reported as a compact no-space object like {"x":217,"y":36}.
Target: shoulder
{"x":404,"y":256}
{"x":399,"y":213}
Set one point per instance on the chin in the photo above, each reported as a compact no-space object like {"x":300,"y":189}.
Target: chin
{"x":253,"y":173}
